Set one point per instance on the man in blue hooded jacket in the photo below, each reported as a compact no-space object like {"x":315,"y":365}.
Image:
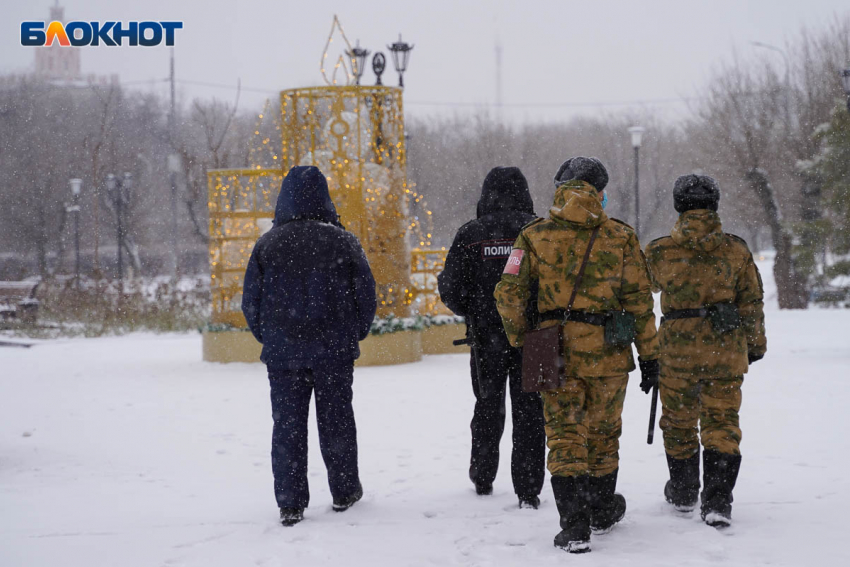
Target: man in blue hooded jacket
{"x":309,"y":298}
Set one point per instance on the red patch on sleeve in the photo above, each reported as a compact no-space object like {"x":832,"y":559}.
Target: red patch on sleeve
{"x":514,"y":261}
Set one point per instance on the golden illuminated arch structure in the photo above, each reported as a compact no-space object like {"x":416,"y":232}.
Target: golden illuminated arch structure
{"x":355,"y":136}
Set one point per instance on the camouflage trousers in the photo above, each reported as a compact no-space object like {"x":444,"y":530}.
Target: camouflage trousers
{"x":583,"y":425}
{"x":713,"y":404}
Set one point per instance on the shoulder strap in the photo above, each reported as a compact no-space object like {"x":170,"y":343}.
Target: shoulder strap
{"x":580,"y":275}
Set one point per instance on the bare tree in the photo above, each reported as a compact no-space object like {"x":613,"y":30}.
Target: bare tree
{"x":449,"y":159}
{"x":202,"y":146}
{"x":756,"y":125}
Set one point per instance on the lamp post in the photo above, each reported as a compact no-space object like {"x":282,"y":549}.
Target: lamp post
{"x":76,"y":187}
{"x":845,"y":79}
{"x":358,"y":60}
{"x":116,"y":189}
{"x":637,"y":136}
{"x":401,"y":54}
{"x":174,"y":167}
{"x":114,"y":194}
{"x":126,"y":186}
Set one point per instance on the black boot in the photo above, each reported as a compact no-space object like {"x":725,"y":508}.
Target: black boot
{"x":532,"y":502}
{"x":481,"y":488}
{"x":291,"y":516}
{"x":606,"y":506}
{"x":345,"y":503}
{"x":571,"y":499}
{"x":720,"y":471}
{"x":682,"y":490}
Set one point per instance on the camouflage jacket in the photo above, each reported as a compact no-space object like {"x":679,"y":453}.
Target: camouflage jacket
{"x":698,"y":265}
{"x":550,"y":251}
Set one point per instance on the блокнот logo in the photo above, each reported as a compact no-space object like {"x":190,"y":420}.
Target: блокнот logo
{"x":79,"y":33}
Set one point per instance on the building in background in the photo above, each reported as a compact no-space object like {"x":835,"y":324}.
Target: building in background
{"x":56,"y":62}
{"x":60,"y":66}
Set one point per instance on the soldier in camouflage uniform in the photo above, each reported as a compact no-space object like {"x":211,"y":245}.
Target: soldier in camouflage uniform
{"x":583,"y":416}
{"x":712,"y":329}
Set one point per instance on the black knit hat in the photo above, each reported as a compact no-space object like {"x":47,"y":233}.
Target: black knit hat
{"x":695,"y":192}
{"x":588,"y":169}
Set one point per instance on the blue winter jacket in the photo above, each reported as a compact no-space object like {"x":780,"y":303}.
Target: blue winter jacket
{"x":309,"y":295}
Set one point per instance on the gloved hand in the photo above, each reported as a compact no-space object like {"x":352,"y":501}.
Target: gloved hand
{"x":649,"y":372}
{"x":754,"y":357}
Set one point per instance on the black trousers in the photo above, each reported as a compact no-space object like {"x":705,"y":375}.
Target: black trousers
{"x":291,"y":391}
{"x":528,"y":458}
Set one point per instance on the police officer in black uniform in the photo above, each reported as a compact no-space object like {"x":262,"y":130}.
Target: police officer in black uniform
{"x":474,"y":266}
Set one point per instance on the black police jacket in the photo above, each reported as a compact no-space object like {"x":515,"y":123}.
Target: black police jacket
{"x":477,"y":258}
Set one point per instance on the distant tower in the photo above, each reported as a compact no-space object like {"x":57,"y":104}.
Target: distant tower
{"x":56,"y":62}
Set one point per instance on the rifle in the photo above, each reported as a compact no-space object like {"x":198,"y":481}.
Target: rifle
{"x":470,"y":340}
{"x":651,"y":435}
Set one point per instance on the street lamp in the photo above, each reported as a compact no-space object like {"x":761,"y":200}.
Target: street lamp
{"x":358,"y":60}
{"x":76,"y":187}
{"x":401,"y":54}
{"x":116,"y":189}
{"x":845,"y":79}
{"x":114,"y":192}
{"x":637,"y":136}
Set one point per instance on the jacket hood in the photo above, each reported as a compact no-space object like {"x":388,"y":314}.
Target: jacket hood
{"x":504,"y":189}
{"x":304,"y":196}
{"x":577,"y":202}
{"x":699,"y":229}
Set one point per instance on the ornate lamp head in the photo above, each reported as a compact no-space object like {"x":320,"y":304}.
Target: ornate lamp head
{"x":401,"y":54}
{"x":358,"y":56}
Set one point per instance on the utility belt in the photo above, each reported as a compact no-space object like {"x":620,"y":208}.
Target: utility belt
{"x":563,"y":315}
{"x":684,"y":314}
{"x":619,"y":326}
{"x":724,"y":317}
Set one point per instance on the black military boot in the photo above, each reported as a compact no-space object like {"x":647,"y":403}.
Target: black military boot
{"x":291,"y":516}
{"x":606,"y":506}
{"x":682,"y":490}
{"x":571,"y":498}
{"x":720,"y":471}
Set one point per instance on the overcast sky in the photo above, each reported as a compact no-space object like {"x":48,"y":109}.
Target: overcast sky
{"x":560,"y":58}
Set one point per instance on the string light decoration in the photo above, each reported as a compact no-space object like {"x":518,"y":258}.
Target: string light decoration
{"x":426,"y":265}
{"x":346,"y":66}
{"x":241,"y":208}
{"x":264,"y":147}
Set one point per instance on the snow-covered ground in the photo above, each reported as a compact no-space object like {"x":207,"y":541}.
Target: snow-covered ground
{"x":130,"y":451}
